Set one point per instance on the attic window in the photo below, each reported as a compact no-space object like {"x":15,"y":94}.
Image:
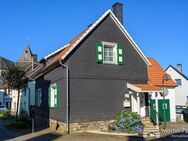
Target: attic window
{"x":109,"y":53}
{"x":178,"y":82}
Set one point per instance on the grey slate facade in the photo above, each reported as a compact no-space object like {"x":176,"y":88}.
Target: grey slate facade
{"x":96,"y":90}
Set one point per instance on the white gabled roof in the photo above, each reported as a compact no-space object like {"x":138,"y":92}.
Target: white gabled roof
{"x":181,"y":74}
{"x":121,"y":28}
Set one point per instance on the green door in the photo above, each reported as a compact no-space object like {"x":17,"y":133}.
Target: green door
{"x":161,"y":106}
{"x":152,"y":110}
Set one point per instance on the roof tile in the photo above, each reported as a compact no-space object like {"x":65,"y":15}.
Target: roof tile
{"x":156,"y":73}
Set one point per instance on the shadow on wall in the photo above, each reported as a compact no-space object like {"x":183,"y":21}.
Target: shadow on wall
{"x":42,"y":111}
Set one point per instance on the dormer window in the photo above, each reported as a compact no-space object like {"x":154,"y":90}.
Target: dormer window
{"x":109,"y":53}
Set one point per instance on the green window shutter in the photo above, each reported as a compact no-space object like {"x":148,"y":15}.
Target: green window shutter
{"x":99,"y":52}
{"x":56,"y":97}
{"x":120,"y":59}
{"x":49,"y":97}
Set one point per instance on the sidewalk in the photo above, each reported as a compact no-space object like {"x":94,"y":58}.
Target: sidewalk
{"x":46,"y":134}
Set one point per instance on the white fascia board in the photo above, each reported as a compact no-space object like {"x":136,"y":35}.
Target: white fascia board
{"x":130,"y":39}
{"x":46,"y":57}
{"x":86,"y":33}
{"x":122,"y":29}
{"x":152,"y":91}
{"x":38,"y":68}
{"x":139,"y":90}
{"x":134,"y":88}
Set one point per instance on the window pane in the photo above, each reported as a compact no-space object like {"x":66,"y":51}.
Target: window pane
{"x":108,"y":54}
{"x":105,"y":58}
{"x":105,"y":49}
{"x":110,"y":58}
{"x":111,"y":54}
{"x":110,"y":49}
{"x":178,"y":81}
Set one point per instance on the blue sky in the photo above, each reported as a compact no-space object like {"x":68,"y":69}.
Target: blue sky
{"x":159,"y":27}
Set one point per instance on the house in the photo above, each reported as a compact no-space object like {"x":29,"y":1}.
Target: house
{"x":148,"y":99}
{"x":181,"y":91}
{"x":155,"y":77}
{"x":100,"y":72}
{"x":4,"y":99}
{"x":8,"y":97}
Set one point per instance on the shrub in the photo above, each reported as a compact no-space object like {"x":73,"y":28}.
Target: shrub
{"x":128,"y":121}
{"x":23,"y":116}
{"x":4,"y":114}
{"x":17,"y":124}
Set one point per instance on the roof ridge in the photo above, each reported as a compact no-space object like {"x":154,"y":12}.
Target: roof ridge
{"x":182,"y":74}
{"x":83,"y":34}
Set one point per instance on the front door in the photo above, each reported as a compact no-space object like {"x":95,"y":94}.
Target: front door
{"x":164,"y":104}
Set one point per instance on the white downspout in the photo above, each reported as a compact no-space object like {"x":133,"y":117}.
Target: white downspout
{"x":67,"y":93}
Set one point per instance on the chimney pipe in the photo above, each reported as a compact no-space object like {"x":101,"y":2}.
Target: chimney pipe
{"x":118,"y":11}
{"x":179,"y":67}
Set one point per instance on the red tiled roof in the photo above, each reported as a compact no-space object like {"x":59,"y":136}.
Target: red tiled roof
{"x":58,"y":57}
{"x":156,"y":73}
{"x":147,"y":87}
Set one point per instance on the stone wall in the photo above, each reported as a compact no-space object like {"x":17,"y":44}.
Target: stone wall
{"x":82,"y":126}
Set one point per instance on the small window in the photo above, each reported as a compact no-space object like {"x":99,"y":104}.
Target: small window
{"x":39,"y":97}
{"x":109,"y":53}
{"x":53,"y":96}
{"x":178,"y":82}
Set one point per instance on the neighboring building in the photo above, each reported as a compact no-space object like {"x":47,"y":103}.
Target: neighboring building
{"x":150,"y":100}
{"x":27,"y":62}
{"x":181,"y":80}
{"x":106,"y":72}
{"x":5,"y":98}
{"x":1,"y":97}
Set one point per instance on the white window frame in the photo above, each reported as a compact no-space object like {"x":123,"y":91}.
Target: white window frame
{"x":52,"y":95}
{"x":114,"y":46}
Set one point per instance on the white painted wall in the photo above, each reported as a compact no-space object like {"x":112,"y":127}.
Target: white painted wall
{"x":181,"y":92}
{"x":142,"y":104}
{"x":24,"y":98}
{"x":31,"y":86}
{"x":171,"y":96}
{"x":138,"y":104}
{"x":134,"y":102}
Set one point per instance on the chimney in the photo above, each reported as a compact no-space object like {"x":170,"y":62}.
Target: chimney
{"x":118,"y":11}
{"x":179,"y":67}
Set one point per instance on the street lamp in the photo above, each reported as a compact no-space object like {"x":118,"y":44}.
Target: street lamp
{"x":166,"y":77}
